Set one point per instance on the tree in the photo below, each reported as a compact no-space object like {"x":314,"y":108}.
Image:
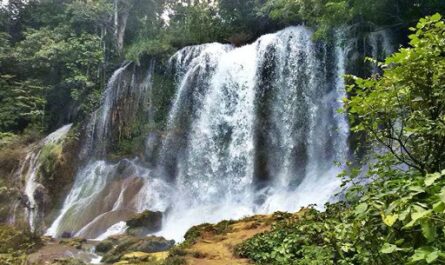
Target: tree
{"x":404,"y":110}
{"x":327,"y":15}
{"x":21,"y":104}
{"x":58,"y":45}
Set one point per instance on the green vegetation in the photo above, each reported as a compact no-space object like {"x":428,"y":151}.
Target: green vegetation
{"x":327,"y":15}
{"x":404,"y":110}
{"x":52,"y":61}
{"x":15,"y":245}
{"x":198,"y":231}
{"x":398,"y":217}
{"x":56,"y":56}
{"x":49,"y":156}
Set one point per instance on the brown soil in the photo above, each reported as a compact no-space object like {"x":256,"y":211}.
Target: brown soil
{"x":218,"y":249}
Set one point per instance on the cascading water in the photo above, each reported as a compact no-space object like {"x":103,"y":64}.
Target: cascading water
{"x":251,"y":130}
{"x":264,"y":113}
{"x":103,"y":193}
{"x":381,"y":43}
{"x":29,"y":170}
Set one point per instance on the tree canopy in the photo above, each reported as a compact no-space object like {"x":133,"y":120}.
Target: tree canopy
{"x":69,"y":48}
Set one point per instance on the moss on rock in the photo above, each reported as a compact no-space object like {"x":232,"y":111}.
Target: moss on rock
{"x":59,"y":163}
{"x":122,"y":245}
{"x":199,"y":231}
{"x":68,"y":261}
{"x":145,"y":223}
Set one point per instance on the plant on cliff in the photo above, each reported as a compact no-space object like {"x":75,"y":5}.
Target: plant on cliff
{"x":398,"y":217}
{"x":48,"y":157}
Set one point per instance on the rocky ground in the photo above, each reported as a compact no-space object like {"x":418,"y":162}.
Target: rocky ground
{"x":206,"y":244}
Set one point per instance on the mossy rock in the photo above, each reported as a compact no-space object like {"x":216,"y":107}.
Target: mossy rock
{"x":74,"y":242}
{"x":145,"y":223}
{"x":68,"y":261}
{"x":104,"y":246}
{"x":116,"y":247}
{"x":199,"y":231}
{"x":143,"y":258}
{"x":50,"y":155}
{"x":148,"y":219}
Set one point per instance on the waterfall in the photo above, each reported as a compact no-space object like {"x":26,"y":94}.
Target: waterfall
{"x":252,"y":129}
{"x":258,"y":127}
{"x":105,"y":193}
{"x":381,"y":44}
{"x":29,"y":170}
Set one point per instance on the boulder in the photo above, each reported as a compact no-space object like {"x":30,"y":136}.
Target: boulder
{"x":145,"y":223}
{"x":114,"y":248}
{"x":66,"y":234}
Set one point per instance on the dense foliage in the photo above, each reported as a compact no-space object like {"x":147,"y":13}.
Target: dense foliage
{"x":326,"y":15}
{"x":51,"y":62}
{"x":404,"y":110}
{"x":55,"y":56}
{"x":399,"y":216}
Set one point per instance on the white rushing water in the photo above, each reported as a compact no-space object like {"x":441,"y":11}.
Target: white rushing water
{"x":253,"y":129}
{"x":281,"y":90}
{"x":29,"y":170}
{"x":104,"y":193}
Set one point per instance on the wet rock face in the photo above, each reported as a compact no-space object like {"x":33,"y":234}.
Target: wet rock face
{"x":145,"y":223}
{"x":116,"y":247}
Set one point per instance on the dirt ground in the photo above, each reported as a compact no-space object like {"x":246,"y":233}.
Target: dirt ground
{"x":218,"y":249}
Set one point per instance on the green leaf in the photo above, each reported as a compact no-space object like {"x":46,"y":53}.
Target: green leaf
{"x":417,"y":189}
{"x":404,"y":214}
{"x":431,"y":178}
{"x":432,"y":257}
{"x":421,"y":254}
{"x":389,"y":248}
{"x":436,"y":17}
{"x":428,"y":230}
{"x":442,"y":194}
{"x":390,"y":219}
{"x":361,"y":208}
{"x":418,"y":214}
{"x":439,"y":207}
